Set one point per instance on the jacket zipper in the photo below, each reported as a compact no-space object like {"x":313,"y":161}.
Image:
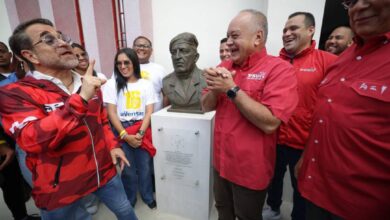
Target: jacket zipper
{"x":94,"y":153}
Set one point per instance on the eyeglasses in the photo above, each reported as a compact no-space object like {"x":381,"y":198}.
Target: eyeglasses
{"x":52,"y":40}
{"x":126,"y":63}
{"x":142,"y":46}
{"x":349,"y":3}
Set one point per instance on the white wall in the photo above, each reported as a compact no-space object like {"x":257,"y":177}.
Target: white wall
{"x":5,"y":27}
{"x":278,"y":12}
{"x":208,"y":20}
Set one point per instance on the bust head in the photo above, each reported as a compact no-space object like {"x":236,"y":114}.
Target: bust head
{"x":184,"y":54}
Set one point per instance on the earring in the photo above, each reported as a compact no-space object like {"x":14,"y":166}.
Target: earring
{"x":21,"y":66}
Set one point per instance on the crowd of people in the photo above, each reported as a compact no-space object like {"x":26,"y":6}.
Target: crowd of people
{"x":324,"y":114}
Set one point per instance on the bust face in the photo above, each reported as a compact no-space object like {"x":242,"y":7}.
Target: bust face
{"x":184,"y":58}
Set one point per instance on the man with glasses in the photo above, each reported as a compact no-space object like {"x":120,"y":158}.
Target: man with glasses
{"x":149,"y":70}
{"x":345,"y":169}
{"x":59,"y":120}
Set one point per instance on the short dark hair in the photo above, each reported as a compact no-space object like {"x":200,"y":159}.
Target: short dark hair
{"x":224,"y":40}
{"x":309,"y":18}
{"x":142,"y":37}
{"x":21,"y":41}
{"x":76,"y":45}
{"x":121,"y":82}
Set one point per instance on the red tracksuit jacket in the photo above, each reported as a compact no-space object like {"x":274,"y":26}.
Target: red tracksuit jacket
{"x":67,"y":141}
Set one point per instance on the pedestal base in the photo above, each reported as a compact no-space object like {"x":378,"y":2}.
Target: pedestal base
{"x":182,"y":164}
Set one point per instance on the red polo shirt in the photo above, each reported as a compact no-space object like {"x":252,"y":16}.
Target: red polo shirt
{"x":346,"y":167}
{"x":244,"y":154}
{"x":310,"y":66}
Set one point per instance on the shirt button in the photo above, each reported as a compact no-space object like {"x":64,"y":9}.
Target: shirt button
{"x":329,"y":100}
{"x":313,"y":159}
{"x":316,"y":141}
{"x":309,"y":177}
{"x":342,"y":79}
{"x":359,"y":57}
{"x":320,"y":121}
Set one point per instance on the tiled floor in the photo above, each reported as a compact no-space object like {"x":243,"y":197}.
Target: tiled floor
{"x":142,"y":211}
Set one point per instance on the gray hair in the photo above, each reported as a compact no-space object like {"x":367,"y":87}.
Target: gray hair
{"x":259,"y":19}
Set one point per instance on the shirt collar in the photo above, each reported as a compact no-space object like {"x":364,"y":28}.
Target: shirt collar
{"x":283,"y":52}
{"x":252,"y":59}
{"x":384,"y":37}
{"x":56,"y":81}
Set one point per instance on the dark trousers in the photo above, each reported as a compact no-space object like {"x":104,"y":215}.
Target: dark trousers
{"x":13,"y":191}
{"x":286,"y":156}
{"x":314,"y":212}
{"x":232,"y":200}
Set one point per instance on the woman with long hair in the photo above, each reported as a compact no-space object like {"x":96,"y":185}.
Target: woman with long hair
{"x":130,"y":101}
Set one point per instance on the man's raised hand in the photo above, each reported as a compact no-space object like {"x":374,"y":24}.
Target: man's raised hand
{"x":90,"y":83}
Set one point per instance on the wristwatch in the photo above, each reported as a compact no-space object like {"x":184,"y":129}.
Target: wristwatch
{"x":141,"y":132}
{"x":231,"y":93}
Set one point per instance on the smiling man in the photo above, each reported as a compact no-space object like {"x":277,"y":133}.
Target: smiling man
{"x":59,"y":121}
{"x":345,"y":170}
{"x":310,"y":65}
{"x":252,"y":93}
{"x":339,"y":40}
{"x":149,"y":70}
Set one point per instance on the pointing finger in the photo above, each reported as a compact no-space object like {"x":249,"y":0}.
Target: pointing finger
{"x":89,"y":71}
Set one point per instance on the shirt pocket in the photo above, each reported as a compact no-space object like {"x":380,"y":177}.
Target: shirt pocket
{"x":372,"y":89}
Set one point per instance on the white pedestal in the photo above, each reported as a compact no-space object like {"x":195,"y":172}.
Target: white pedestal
{"x":182,"y":165}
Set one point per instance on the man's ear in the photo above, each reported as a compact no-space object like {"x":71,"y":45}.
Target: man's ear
{"x":30,"y":56}
{"x":311,"y":29}
{"x":259,"y":37}
{"x":196,"y":57}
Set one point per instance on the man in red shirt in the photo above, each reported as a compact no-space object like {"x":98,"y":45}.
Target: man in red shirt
{"x":310,"y":65}
{"x":252,"y":94}
{"x":345,"y":172}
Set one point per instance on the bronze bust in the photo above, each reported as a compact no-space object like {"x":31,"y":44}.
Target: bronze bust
{"x":183,"y":88}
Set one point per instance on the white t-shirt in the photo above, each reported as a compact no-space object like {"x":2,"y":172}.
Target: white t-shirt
{"x":131,"y":102}
{"x":101,"y":75}
{"x":155,"y":74}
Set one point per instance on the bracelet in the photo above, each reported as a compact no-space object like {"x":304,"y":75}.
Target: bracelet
{"x":122,"y":132}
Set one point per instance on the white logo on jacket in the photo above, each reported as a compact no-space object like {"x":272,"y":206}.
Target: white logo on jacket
{"x":18,"y":125}
{"x":256,"y":76}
